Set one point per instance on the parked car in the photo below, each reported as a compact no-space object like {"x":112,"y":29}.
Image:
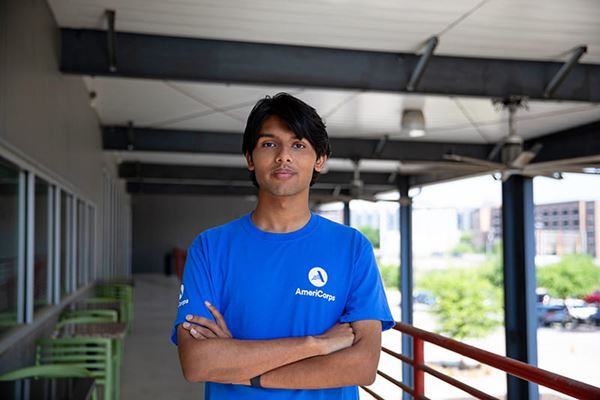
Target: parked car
{"x":595,"y":319}
{"x":553,"y":314}
{"x":579,"y":310}
{"x":424,"y":297}
{"x":593,"y":297}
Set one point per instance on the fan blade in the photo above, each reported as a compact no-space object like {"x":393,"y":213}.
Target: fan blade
{"x":526,"y":156}
{"x":522,"y":159}
{"x":474,"y":161}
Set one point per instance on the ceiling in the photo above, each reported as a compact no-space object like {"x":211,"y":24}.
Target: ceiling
{"x":535,"y":29}
{"x":518,"y":30}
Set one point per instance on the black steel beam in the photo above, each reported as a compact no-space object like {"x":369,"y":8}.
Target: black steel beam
{"x":187,"y":189}
{"x":135,"y":171}
{"x":83,"y":51}
{"x":518,"y":243}
{"x":173,"y":140}
{"x":577,"y":142}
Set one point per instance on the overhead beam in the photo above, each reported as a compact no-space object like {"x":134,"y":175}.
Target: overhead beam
{"x":134,"y":171}
{"x":186,"y":189}
{"x":582,"y":141}
{"x":172,"y":140}
{"x":83,"y":51}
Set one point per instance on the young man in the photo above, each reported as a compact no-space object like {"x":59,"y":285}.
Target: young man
{"x":281,"y":303}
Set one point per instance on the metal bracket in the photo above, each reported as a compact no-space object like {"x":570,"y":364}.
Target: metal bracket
{"x":563,"y":71}
{"x":422,"y":64}
{"x":130,"y":136}
{"x":111,"y":40}
{"x":380,"y":145}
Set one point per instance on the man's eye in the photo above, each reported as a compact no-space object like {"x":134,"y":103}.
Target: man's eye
{"x":299,"y":146}
{"x":268,"y":144}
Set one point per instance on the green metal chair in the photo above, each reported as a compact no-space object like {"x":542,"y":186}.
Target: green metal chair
{"x":110,"y":315}
{"x":84,"y":320}
{"x":91,"y":353}
{"x":123,"y":305}
{"x":49,"y":371}
{"x":124,"y":293}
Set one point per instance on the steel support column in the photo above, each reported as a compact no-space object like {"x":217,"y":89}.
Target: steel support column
{"x":347,"y":213}
{"x":406,"y":276}
{"x":519,"y":280}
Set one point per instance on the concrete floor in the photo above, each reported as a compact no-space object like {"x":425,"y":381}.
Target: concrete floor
{"x":151,"y":366}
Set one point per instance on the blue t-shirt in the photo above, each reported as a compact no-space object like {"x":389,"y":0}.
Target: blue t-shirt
{"x":276,"y":285}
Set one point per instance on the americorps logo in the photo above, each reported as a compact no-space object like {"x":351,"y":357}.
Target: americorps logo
{"x":184,"y":302}
{"x":317,"y":276}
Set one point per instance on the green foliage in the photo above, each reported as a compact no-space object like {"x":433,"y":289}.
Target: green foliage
{"x":467,"y":304}
{"x":465,"y":245}
{"x":390,"y":274}
{"x":574,"y":275}
{"x":372,"y":234}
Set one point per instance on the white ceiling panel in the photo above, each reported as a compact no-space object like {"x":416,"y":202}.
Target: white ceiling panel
{"x":145,"y":102}
{"x":205,"y":106}
{"x":533,"y":29}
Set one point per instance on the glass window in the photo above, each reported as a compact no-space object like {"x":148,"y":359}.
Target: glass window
{"x":91,"y":242}
{"x":9,"y":245}
{"x":64,"y":243}
{"x":42,"y":235}
{"x":81,"y":266}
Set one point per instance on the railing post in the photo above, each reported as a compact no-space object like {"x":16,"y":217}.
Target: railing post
{"x":419,"y":374}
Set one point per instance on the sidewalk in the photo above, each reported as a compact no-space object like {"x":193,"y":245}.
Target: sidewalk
{"x":151,"y":368}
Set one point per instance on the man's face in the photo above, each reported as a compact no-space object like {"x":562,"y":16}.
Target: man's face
{"x":282,"y":163}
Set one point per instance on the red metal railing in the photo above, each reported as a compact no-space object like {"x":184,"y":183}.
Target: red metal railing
{"x":516,"y":368}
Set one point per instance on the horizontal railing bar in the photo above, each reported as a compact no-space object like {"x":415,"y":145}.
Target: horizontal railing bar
{"x":456,"y":383}
{"x":397,"y":355}
{"x":372,"y":393}
{"x":396,"y":382}
{"x":516,"y":368}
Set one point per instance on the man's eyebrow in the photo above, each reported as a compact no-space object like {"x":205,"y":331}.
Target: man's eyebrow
{"x":261,"y":135}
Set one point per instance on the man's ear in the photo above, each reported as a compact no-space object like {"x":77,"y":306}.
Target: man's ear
{"x":249,"y":161}
{"x":320,"y":163}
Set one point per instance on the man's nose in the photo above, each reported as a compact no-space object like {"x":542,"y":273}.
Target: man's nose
{"x":284,"y":155}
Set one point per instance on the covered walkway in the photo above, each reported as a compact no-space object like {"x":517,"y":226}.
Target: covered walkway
{"x":151,"y":367}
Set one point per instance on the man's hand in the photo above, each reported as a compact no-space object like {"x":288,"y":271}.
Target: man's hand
{"x":338,"y":337}
{"x":205,"y":328}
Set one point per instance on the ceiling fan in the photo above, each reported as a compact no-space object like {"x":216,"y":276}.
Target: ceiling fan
{"x":514,"y":159}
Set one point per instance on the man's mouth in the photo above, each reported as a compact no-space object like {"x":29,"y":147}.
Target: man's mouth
{"x":283,"y":173}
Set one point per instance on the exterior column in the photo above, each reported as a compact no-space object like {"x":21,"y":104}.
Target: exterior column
{"x":518,"y":236}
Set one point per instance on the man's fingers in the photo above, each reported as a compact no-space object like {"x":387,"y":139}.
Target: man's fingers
{"x":205,"y":322}
{"x":200,"y":332}
{"x":218,"y":317}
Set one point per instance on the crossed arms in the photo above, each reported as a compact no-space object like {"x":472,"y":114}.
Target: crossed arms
{"x":345,"y":355}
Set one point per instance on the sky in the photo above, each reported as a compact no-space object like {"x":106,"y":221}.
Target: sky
{"x":485,"y":191}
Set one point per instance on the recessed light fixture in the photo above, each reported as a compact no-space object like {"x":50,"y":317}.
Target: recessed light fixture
{"x":413,"y":123}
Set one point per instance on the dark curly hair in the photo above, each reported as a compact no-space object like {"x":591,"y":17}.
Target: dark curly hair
{"x":300,"y":118}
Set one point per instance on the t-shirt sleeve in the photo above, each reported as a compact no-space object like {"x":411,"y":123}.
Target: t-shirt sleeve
{"x":196,"y":287}
{"x":367,"y":299}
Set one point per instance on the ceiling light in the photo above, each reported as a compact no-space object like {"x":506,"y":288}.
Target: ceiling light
{"x":416,"y":133}
{"x":413,"y":123}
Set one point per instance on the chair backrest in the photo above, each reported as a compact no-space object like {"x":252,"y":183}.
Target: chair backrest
{"x":93,"y":354}
{"x":113,"y":315}
{"x":83,"y":320}
{"x":47,"y":371}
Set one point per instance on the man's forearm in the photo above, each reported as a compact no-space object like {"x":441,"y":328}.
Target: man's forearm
{"x":237,"y":361}
{"x":355,"y":365}
{"x":352,"y":366}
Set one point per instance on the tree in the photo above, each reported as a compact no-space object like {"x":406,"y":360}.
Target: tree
{"x":467,"y":304}
{"x":372,"y":234}
{"x":465,"y":244}
{"x":575,"y":275}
